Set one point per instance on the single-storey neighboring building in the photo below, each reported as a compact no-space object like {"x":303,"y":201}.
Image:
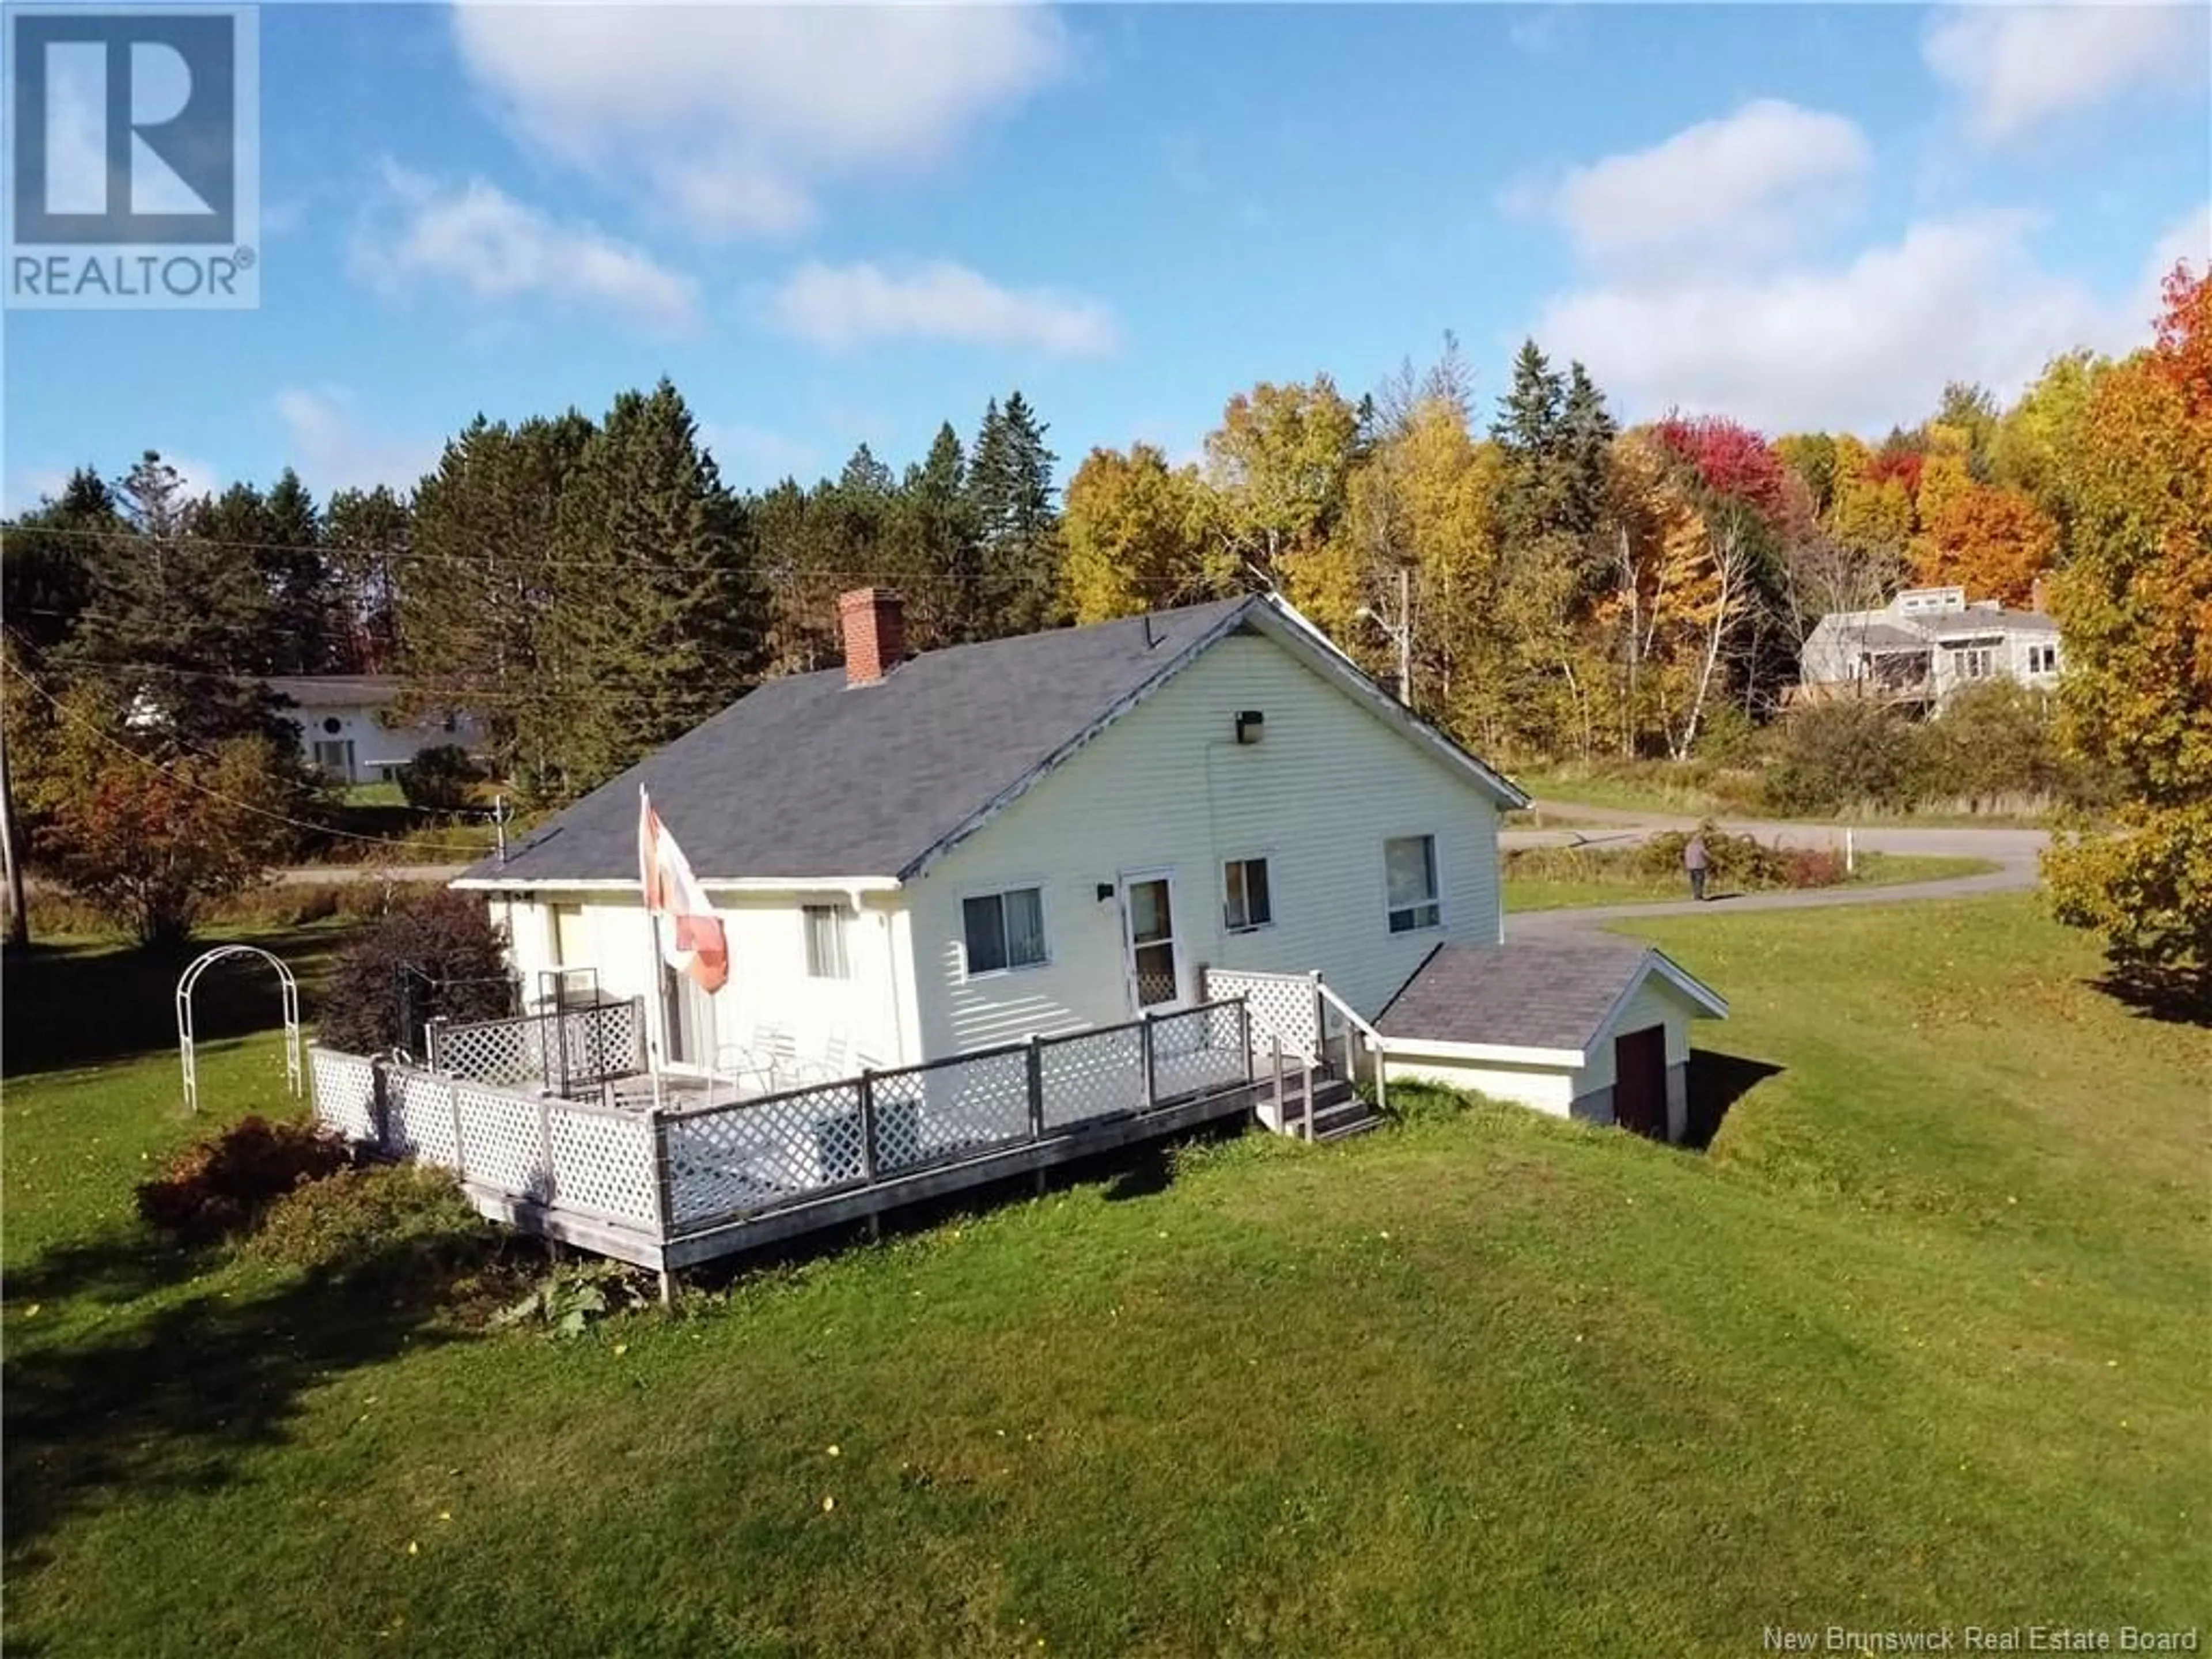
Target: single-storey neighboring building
{"x":1597,"y":1029}
{"x":350,"y":732}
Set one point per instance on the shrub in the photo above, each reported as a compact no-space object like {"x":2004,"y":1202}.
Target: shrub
{"x":384,"y":1220}
{"x":1993,"y":746}
{"x":373,"y":1003}
{"x":1836,"y":756}
{"x":569,"y":1299}
{"x":1811,"y":866}
{"x":439,"y":779}
{"x":221,"y":1185}
{"x":1743,"y":862}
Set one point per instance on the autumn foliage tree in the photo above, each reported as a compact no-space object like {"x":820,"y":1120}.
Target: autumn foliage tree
{"x":150,"y":839}
{"x":1135,"y":530}
{"x":2136,"y":603}
{"x":1992,"y":542}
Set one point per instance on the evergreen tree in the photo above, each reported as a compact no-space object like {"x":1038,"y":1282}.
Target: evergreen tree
{"x":1017,"y":529}
{"x":1530,"y":427}
{"x":935,"y":548}
{"x":179,"y":622}
{"x":46,"y":560}
{"x":1587,"y":430}
{"x":301,"y":588}
{"x":659,"y":618}
{"x":366,"y":534}
{"x":477,"y":583}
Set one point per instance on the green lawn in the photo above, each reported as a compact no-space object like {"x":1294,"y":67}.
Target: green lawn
{"x":1696,"y":792}
{"x":1921,"y":1341}
{"x":1598,"y":883}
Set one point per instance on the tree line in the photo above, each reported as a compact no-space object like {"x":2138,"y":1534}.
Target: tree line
{"x":1563,"y":584}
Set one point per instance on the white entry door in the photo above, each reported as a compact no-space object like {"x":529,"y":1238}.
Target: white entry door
{"x":1152,"y":946}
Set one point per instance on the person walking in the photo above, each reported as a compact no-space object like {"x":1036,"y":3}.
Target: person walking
{"x":1695,"y":860}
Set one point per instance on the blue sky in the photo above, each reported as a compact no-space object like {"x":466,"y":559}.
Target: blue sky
{"x":843,"y":225}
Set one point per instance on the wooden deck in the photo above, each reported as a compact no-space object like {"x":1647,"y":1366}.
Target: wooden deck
{"x":671,"y":1186}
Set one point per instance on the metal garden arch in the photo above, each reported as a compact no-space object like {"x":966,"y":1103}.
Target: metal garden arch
{"x":191,"y":978}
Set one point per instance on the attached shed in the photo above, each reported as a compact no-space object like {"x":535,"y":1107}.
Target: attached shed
{"x":1593,"y":1029}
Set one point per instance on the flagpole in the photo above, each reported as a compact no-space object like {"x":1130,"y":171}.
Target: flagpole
{"x":652,"y":957}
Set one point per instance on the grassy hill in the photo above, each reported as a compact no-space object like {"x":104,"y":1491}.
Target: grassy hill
{"x":1922,"y":1340}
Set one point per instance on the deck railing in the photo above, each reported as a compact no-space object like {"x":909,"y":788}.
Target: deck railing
{"x":572,"y":1051}
{"x":727,"y":1162}
{"x":659,"y":1173}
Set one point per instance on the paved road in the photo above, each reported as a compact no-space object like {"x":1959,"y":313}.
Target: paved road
{"x":317,"y":875}
{"x":2013,"y":851}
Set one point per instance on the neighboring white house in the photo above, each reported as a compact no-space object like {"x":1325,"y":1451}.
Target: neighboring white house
{"x":349,"y":729}
{"x":1925,"y":644}
{"x":917,"y":858}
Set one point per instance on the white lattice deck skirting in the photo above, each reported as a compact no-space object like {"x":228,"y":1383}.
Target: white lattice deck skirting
{"x":639,"y":1176}
{"x":1284,"y":1005}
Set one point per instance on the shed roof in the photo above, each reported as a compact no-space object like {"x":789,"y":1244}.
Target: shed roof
{"x":808,"y":778}
{"x":1531,"y":993}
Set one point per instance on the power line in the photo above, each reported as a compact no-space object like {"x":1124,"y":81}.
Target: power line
{"x":152,"y":765}
{"x":483,"y":557}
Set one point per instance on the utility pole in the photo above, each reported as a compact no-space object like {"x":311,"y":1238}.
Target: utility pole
{"x":19,"y":920}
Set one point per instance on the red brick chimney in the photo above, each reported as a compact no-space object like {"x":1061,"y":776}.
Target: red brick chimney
{"x":874,"y":623}
{"x":2035,"y":596}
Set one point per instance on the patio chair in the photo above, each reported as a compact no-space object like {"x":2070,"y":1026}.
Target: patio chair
{"x":835,"y":1061}
{"x":765,"y":1061}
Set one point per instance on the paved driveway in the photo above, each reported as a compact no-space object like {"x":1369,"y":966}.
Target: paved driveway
{"x":2013,"y":851}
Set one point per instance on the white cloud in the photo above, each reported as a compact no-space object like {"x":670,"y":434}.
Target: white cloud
{"x":2018,"y":66}
{"x":732,"y":116}
{"x":1859,"y":345}
{"x":477,"y":238}
{"x":844,"y":305}
{"x":325,"y":441}
{"x":1745,"y":184}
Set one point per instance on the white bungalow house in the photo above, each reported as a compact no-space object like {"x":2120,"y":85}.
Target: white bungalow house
{"x":917,"y":858}
{"x":350,"y":731}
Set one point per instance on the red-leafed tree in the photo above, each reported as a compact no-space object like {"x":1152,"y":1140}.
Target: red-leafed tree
{"x":1731,"y":462}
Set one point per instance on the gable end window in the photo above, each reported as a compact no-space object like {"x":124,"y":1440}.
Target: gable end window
{"x":1246,"y":902}
{"x":825,"y":942}
{"x":1409,"y":876}
{"x":1004,"y":930}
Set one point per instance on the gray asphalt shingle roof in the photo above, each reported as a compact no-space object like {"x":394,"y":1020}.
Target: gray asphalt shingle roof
{"x":1526,"y":993}
{"x":335,"y":691}
{"x":807,"y":778}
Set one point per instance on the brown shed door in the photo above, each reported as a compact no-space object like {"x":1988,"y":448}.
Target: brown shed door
{"x":1639,"y":1081}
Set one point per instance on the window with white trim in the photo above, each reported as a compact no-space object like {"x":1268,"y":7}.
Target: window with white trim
{"x":1409,"y":878}
{"x":2042,"y":659}
{"x":1004,"y":930}
{"x":825,"y":941}
{"x":1247,"y":903}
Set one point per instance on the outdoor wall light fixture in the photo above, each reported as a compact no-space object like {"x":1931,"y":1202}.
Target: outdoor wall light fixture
{"x":1249,"y":725}
{"x":1105,"y":891}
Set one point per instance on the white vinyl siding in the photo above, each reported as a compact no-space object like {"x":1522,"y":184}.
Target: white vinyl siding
{"x":1169,"y":786}
{"x":872,"y":1007}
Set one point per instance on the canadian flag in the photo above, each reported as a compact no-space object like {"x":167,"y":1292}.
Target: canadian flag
{"x":692,"y":943}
